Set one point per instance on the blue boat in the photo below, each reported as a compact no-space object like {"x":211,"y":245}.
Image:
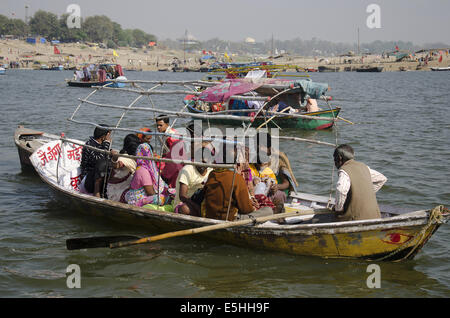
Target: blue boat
{"x":2,"y":71}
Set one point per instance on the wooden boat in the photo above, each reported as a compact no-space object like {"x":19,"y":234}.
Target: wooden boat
{"x":396,"y":236}
{"x":133,"y":69}
{"x":113,"y":84}
{"x":440,"y":69}
{"x":374,"y":69}
{"x":329,"y":68}
{"x":288,"y":92}
{"x":52,"y":68}
{"x":112,"y":79}
{"x":270,"y":70}
{"x":233,"y":65}
{"x":283,"y":121}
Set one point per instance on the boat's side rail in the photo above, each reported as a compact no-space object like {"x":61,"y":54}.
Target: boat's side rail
{"x":416,"y":218}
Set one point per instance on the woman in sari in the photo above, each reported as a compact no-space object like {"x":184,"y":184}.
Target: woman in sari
{"x":147,"y":182}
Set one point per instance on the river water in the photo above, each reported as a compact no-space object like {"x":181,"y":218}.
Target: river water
{"x":400,"y":128}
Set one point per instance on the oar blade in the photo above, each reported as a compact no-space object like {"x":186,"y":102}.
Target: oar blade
{"x":96,"y":241}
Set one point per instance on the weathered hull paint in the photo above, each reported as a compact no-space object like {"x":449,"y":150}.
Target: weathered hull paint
{"x":390,"y":238}
{"x":94,"y":84}
{"x":286,"y":121}
{"x":327,"y":242}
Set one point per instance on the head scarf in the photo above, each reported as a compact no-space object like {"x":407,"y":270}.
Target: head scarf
{"x":144,"y":150}
{"x":141,"y":136}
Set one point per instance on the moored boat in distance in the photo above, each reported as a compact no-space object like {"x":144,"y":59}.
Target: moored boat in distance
{"x":398,"y":235}
{"x":440,"y":69}
{"x":113,"y":84}
{"x":282,"y":120}
{"x":328,"y":68}
{"x":110,"y":75}
{"x":375,"y":69}
{"x":269,"y":69}
{"x":276,"y":103}
{"x":2,"y":71}
{"x":52,"y":68}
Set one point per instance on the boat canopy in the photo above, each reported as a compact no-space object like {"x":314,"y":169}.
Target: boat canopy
{"x":264,"y":86}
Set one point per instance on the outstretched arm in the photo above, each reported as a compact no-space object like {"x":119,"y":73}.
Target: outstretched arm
{"x":378,"y":179}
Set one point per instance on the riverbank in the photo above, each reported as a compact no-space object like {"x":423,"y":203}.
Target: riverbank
{"x":153,"y":59}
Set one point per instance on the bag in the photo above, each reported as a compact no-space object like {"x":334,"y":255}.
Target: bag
{"x":198,"y":196}
{"x":164,"y":208}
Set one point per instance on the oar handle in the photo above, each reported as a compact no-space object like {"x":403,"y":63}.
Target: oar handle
{"x":271,"y":118}
{"x":348,"y":121}
{"x":215,"y":227}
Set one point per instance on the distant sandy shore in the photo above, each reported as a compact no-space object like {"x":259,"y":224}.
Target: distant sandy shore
{"x":154,"y":59}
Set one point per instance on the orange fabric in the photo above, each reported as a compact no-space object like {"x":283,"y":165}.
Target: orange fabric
{"x":217,"y":195}
{"x":141,"y":136}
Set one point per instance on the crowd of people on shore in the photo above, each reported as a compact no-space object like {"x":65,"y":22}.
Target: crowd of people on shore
{"x":252,"y":188}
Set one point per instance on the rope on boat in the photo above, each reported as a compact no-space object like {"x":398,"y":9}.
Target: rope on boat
{"x":436,"y":217}
{"x":169,"y":112}
{"x":141,"y":91}
{"x":333,"y":167}
{"x":181,"y":92}
{"x":202,"y":164}
{"x":177,"y":136}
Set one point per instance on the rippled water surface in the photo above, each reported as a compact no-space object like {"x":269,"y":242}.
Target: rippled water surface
{"x":401,"y":129}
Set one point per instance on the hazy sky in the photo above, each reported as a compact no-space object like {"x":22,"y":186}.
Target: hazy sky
{"x":419,"y":21}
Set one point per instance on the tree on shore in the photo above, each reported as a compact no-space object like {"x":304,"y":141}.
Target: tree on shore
{"x":45,"y":24}
{"x":70,"y":34}
{"x":15,"y":27}
{"x":99,"y":29}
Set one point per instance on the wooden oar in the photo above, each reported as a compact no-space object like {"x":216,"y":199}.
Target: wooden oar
{"x":348,"y":121}
{"x":122,"y":241}
{"x":271,"y":118}
{"x":96,"y":241}
{"x":214,"y":227}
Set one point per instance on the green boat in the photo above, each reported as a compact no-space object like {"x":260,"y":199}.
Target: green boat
{"x":264,"y":102}
{"x":285,"y":121}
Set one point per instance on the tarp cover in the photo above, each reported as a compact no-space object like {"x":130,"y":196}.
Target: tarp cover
{"x":314,"y":90}
{"x":223,"y":91}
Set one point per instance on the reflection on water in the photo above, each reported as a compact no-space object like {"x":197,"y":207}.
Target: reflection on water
{"x":391,"y":134}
